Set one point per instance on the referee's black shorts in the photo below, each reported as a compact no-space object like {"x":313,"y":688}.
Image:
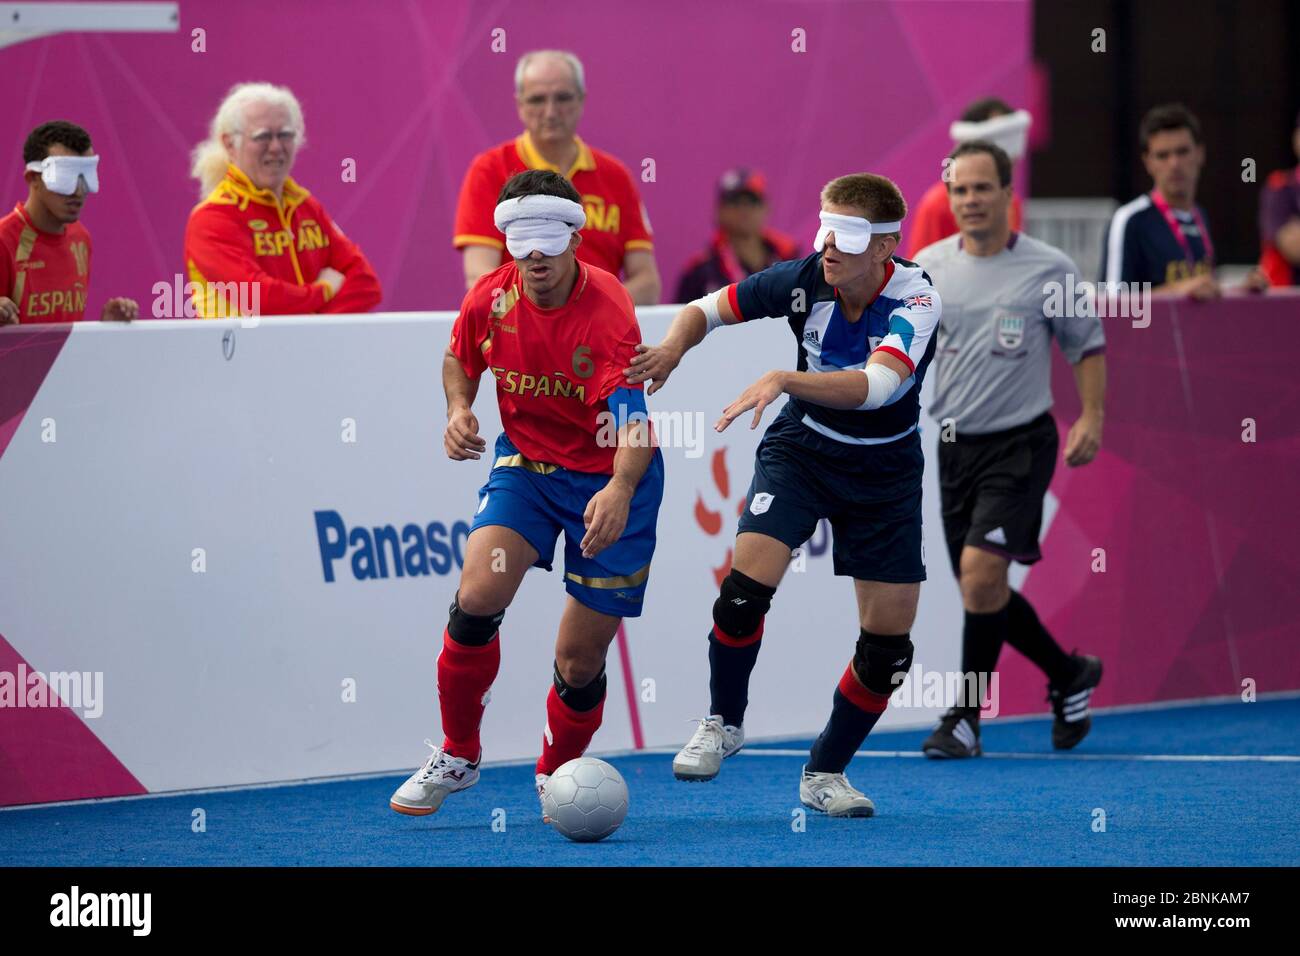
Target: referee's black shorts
{"x":992,"y":487}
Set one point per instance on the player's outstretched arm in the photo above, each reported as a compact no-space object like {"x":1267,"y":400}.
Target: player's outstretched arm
{"x":461,"y":439}
{"x":654,"y":363}
{"x":856,"y":388}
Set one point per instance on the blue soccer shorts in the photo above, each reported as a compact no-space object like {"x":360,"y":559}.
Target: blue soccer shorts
{"x":540,"y":500}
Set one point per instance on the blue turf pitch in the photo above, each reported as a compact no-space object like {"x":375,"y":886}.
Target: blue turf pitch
{"x":998,"y":810}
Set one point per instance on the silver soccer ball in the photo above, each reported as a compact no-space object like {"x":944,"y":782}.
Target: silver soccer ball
{"x":586,"y":799}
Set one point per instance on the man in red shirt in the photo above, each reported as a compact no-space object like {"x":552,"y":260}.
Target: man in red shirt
{"x":988,"y":119}
{"x":550,"y":92}
{"x":259,"y":243}
{"x":576,"y":455}
{"x":44,"y":248}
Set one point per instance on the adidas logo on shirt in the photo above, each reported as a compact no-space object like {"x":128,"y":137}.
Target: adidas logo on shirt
{"x":997,"y":536}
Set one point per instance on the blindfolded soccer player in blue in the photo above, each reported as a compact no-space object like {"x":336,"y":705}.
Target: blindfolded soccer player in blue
{"x":844,"y":447}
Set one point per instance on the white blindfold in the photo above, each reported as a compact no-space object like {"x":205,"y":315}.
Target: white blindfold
{"x":852,"y":233}
{"x":62,"y":173}
{"x":538,"y":223}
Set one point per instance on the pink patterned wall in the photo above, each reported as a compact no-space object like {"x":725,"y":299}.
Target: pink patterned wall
{"x":412,"y":91}
{"x":1198,"y":526}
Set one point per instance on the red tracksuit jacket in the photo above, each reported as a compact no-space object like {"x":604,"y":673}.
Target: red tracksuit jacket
{"x":242,"y":234}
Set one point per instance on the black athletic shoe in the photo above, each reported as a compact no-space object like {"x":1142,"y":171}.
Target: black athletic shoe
{"x":1070,"y":703}
{"x":958,"y":735}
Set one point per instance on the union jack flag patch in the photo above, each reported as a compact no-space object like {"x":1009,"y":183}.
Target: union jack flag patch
{"x":922,"y":301}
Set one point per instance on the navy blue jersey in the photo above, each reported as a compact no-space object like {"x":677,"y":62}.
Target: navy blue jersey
{"x":900,"y":320}
{"x":1140,"y":246}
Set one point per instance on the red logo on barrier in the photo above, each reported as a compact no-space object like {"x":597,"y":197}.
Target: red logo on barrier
{"x":710,"y":521}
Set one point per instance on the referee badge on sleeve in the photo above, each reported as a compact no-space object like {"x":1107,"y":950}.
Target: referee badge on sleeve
{"x":1011,"y":331}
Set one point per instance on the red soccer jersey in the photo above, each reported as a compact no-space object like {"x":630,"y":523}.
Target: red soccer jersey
{"x":554,"y":368}
{"x":45,"y":274}
{"x":616,"y":220}
{"x":933,"y":220}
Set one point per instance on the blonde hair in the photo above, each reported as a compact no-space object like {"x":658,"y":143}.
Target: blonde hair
{"x":209,"y":159}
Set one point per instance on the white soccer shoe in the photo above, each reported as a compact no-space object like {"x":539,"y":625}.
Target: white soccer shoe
{"x":832,"y":794}
{"x":425,"y":790}
{"x":541,"y":780}
{"x":713,"y":742}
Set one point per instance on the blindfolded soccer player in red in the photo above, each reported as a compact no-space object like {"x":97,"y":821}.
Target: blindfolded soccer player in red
{"x":575,"y":456}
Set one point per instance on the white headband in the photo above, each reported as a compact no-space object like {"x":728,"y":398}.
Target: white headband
{"x":1009,"y":132}
{"x":544,"y":223}
{"x":852,"y":233}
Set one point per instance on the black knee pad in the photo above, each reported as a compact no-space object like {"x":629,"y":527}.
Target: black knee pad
{"x":741,"y":605}
{"x":581,"y":699}
{"x":879,"y":657}
{"x":472,"y":630}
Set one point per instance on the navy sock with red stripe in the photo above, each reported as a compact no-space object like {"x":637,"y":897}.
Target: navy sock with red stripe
{"x":731,"y":661}
{"x":734,"y":642}
{"x":853,"y":714}
{"x":857,"y":708}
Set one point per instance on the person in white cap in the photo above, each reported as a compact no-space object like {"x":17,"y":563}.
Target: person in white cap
{"x":989,"y":120}
{"x":845,"y":448}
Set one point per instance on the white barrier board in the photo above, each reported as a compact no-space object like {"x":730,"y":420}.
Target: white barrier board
{"x":170,"y":538}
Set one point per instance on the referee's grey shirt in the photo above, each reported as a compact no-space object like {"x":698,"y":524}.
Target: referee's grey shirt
{"x":993,"y":363}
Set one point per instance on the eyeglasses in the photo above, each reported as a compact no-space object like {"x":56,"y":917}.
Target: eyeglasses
{"x":539,"y":100}
{"x":263,"y":137}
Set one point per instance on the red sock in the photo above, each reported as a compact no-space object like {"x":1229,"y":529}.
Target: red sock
{"x":568,"y":732}
{"x":465,"y":674}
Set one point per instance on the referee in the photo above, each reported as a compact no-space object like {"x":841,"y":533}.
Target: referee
{"x":993,"y":382}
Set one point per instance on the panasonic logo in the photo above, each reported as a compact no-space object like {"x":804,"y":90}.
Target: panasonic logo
{"x":384,"y":551}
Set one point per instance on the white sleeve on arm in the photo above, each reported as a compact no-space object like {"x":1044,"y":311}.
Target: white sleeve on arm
{"x":708,"y":304}
{"x":882,"y":382}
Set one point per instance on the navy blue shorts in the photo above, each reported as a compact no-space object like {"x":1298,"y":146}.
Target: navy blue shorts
{"x":870,"y":493}
{"x":540,"y":500}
